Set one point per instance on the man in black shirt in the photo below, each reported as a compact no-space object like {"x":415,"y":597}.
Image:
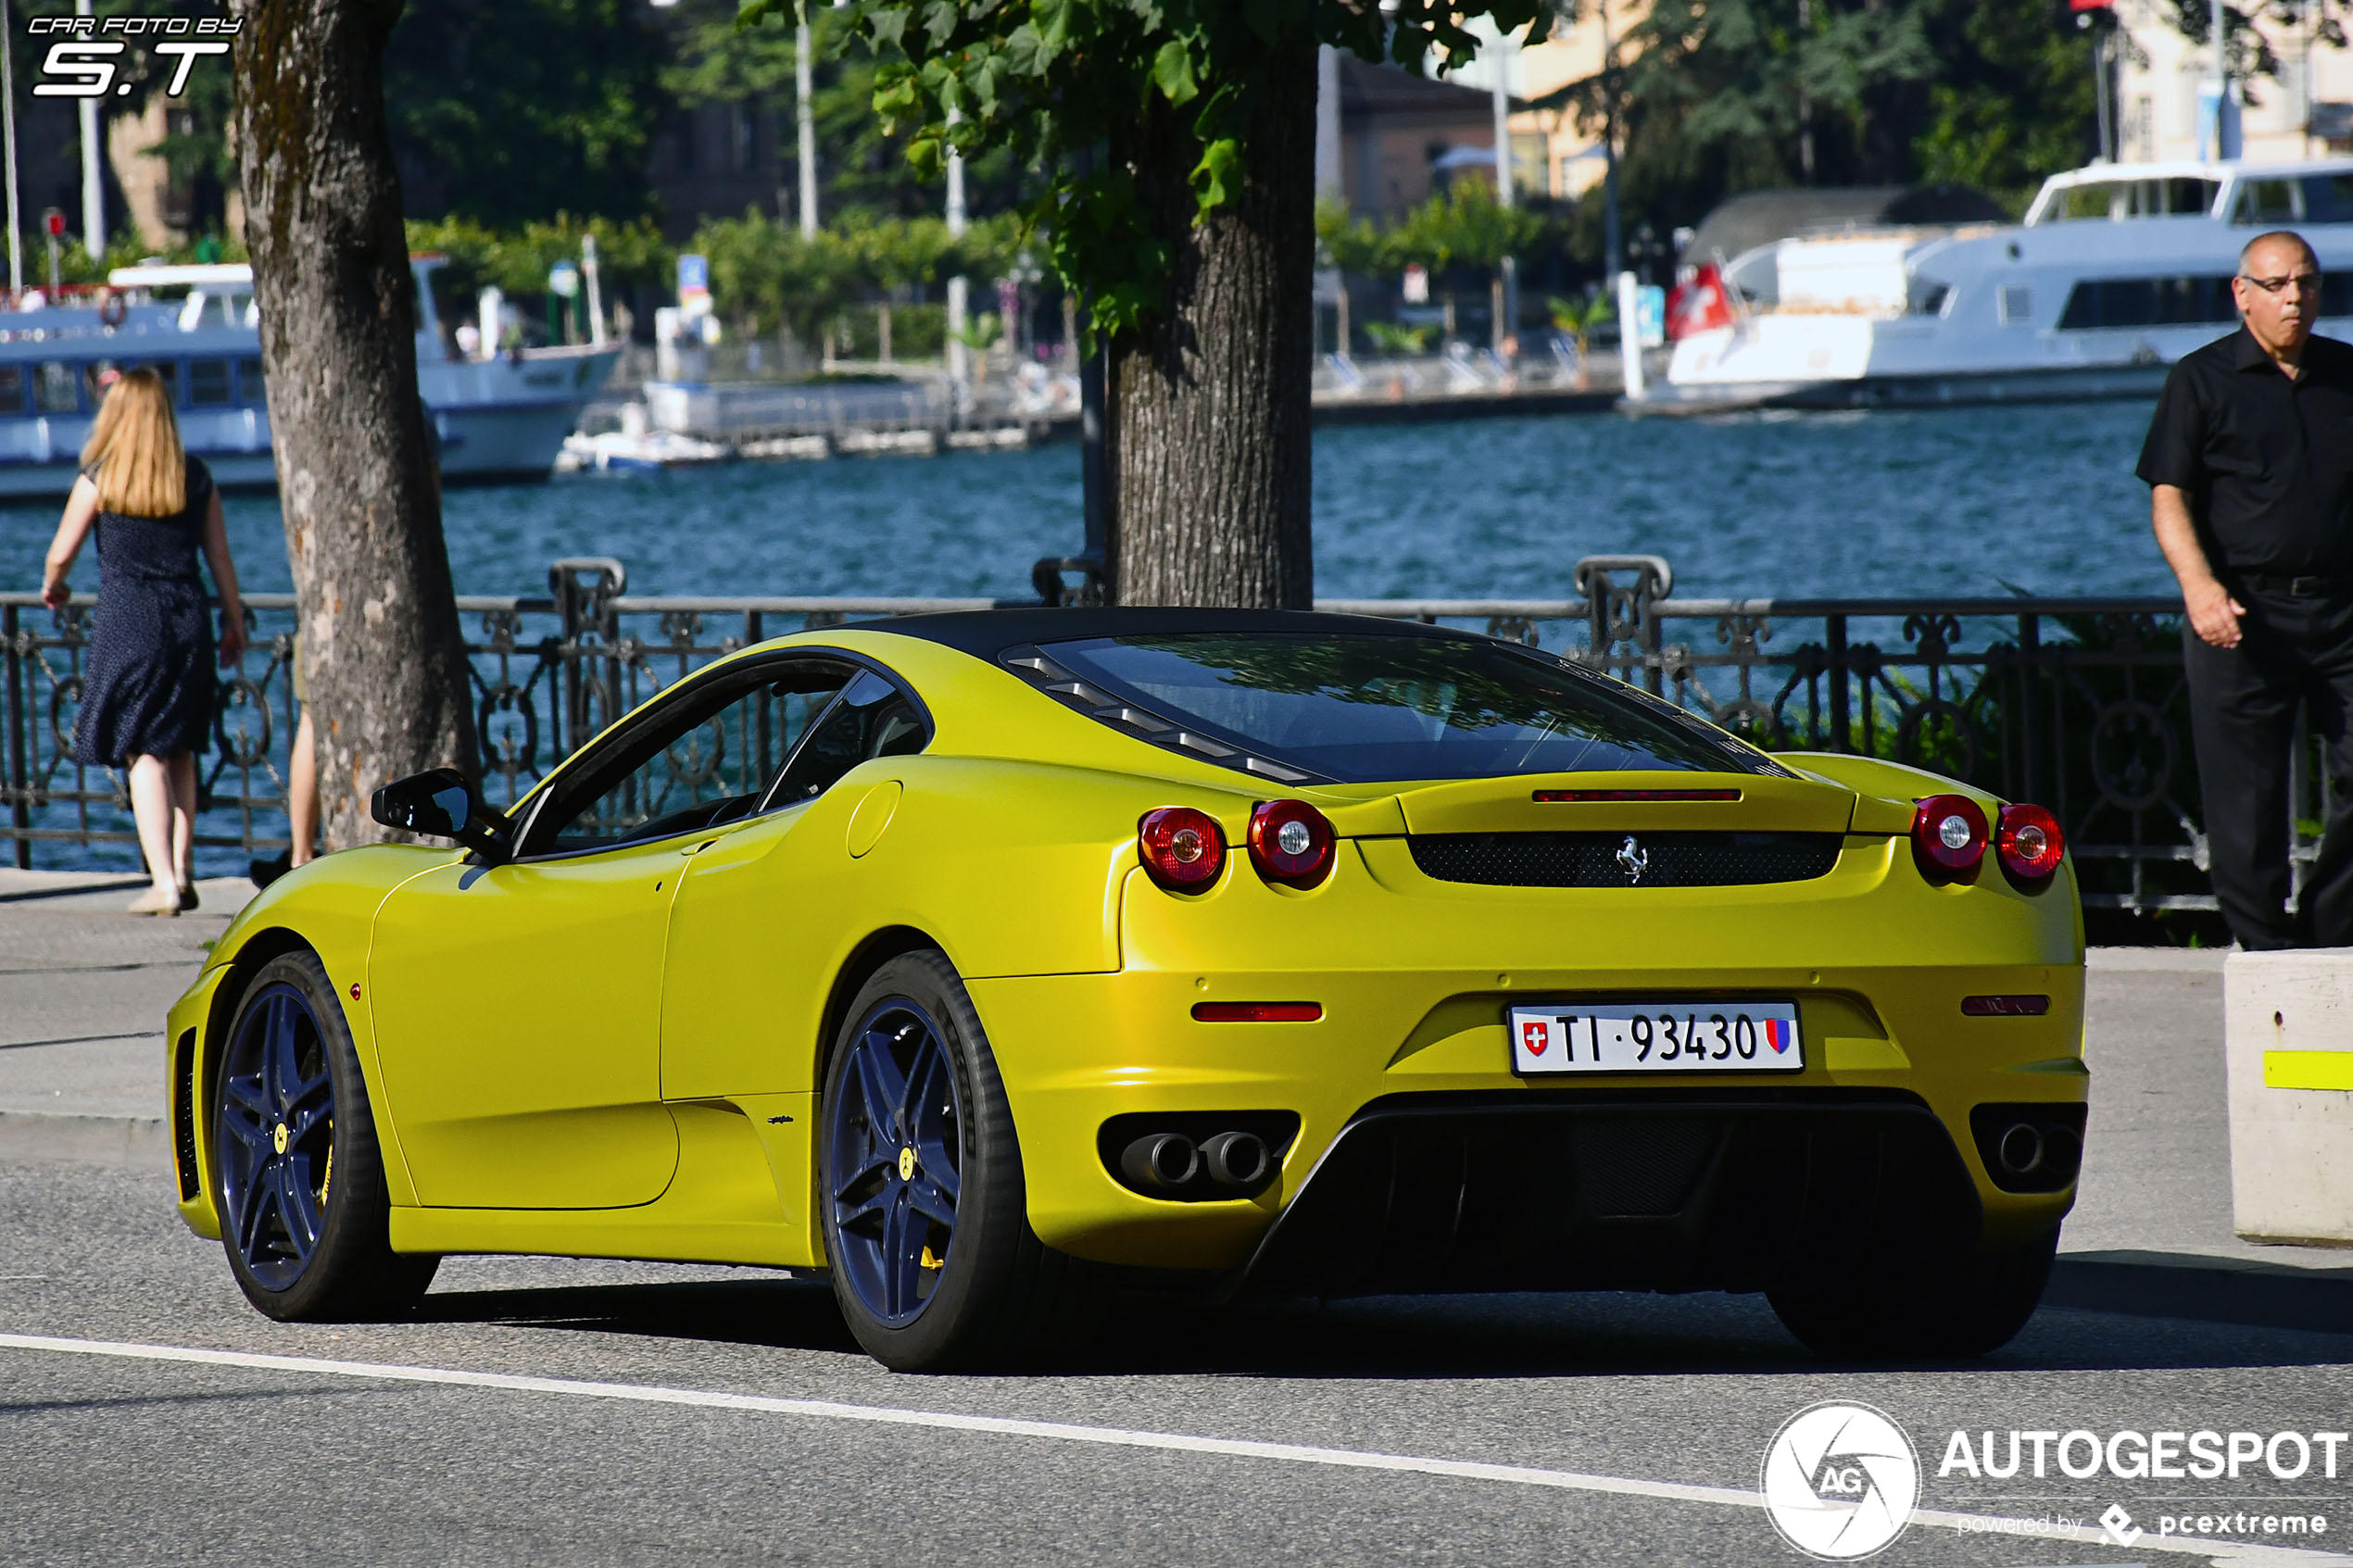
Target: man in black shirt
{"x":2250,"y":461}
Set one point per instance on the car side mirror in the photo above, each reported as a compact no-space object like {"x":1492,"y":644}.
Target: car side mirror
{"x":444,"y":803}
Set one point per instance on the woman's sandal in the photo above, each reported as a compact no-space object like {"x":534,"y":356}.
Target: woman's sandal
{"x":157,"y":901}
{"x":188,"y":899}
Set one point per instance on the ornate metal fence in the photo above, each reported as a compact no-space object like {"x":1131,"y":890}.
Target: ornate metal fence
{"x":2075,"y":703}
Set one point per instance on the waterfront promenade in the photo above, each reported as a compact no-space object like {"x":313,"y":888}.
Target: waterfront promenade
{"x":83,"y":989}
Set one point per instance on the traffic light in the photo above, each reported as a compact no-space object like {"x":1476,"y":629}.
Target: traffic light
{"x":54,"y":223}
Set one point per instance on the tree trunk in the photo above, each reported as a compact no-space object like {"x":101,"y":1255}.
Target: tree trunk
{"x":382,"y":651}
{"x":1212,"y":394}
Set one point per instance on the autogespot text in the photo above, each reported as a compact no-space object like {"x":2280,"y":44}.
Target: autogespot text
{"x":2139,"y":1456}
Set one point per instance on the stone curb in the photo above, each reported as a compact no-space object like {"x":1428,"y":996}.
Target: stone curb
{"x":138,"y":1143}
{"x":2211,"y":1289}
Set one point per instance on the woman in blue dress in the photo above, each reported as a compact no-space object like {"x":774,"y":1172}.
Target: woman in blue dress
{"x":147,"y":685}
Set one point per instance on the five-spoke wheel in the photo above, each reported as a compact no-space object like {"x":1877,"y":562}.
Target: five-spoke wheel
{"x":896,"y":1131}
{"x":276,"y":1153}
{"x":919,"y":1184}
{"x":296,"y":1172}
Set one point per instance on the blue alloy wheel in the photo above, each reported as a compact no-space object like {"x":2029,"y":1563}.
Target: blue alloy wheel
{"x":275,"y":1136}
{"x":895,"y":1133}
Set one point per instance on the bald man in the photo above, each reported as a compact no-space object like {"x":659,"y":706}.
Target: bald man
{"x":2250,"y":463}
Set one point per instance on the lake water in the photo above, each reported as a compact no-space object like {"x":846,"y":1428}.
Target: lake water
{"x":1958,"y":501}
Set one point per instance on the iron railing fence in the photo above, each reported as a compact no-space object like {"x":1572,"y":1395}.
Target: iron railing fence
{"x":2077,"y":703}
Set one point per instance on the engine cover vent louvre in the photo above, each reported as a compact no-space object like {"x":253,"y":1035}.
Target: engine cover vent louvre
{"x":1622,"y":860}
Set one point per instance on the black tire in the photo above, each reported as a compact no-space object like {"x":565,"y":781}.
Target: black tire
{"x":298,"y":1174}
{"x":1958,"y":1307}
{"x":999,"y":1297}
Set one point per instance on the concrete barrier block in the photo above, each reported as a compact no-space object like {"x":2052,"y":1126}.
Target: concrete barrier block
{"x":2288,"y":1034}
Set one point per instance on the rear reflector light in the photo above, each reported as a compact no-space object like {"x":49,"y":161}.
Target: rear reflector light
{"x":1182,"y":850}
{"x":2030,"y":844}
{"x":2006,"y":1007}
{"x":1948,"y":836}
{"x":1555,"y":796}
{"x":1290,"y":842}
{"x":1257,"y":1013}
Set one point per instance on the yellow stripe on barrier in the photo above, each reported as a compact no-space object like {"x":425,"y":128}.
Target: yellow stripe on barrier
{"x":2308,"y":1070}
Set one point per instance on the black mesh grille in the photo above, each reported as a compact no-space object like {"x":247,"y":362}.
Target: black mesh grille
{"x":1619,"y":859}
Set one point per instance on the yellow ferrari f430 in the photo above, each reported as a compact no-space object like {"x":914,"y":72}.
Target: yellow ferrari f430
{"x":980,"y":959}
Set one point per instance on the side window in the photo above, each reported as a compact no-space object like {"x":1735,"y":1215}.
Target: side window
{"x":2269,"y":201}
{"x":871,"y":719}
{"x":208,"y":383}
{"x":250,"y":387}
{"x":702,"y":761}
{"x":54,"y":389}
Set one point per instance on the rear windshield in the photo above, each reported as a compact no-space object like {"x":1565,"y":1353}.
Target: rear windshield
{"x":1373,"y":708}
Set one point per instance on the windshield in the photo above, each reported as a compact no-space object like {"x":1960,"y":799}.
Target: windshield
{"x":1375,"y":707}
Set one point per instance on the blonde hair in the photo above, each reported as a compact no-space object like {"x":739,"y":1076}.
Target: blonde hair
{"x":135,"y":442}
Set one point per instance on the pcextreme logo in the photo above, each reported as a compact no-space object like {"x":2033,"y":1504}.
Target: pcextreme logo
{"x":1839,"y":1481}
{"x":87,"y":66}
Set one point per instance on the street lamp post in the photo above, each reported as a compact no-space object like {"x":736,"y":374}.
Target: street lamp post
{"x":804,"y":78}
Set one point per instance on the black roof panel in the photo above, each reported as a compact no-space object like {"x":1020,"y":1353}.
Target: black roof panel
{"x":985,"y":634}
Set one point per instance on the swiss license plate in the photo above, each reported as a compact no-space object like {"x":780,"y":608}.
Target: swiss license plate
{"x":1655,"y":1037}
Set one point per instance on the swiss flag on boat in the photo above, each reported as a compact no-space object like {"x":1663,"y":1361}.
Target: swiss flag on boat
{"x":1698,"y":305}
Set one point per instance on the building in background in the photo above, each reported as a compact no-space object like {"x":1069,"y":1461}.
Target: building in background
{"x":1404,"y":136}
{"x":1550,"y":154}
{"x":718,"y":160}
{"x":2304,"y":111}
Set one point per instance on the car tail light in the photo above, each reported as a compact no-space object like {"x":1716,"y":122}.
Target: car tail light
{"x":1948,"y":836}
{"x":2030,"y":844}
{"x":1182,"y":850}
{"x":1290,"y":842}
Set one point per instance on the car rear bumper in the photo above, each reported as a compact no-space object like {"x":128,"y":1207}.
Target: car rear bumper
{"x":1075,"y":1051}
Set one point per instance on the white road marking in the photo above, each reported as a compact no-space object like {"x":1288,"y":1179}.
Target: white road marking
{"x":1113,"y":1437}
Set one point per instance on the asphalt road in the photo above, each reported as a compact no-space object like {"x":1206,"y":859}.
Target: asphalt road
{"x":120,"y":1457}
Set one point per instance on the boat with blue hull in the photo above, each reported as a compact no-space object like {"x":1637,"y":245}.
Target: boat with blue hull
{"x":503,"y":419}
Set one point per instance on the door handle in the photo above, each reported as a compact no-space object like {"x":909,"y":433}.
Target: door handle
{"x":697,"y":849}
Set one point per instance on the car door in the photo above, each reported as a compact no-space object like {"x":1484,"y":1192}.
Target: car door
{"x":760,"y":917}
{"x":518,"y":1006}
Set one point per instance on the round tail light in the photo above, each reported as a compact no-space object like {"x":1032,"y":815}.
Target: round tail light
{"x":1948,"y":836}
{"x":1182,"y":850}
{"x":1290,"y":842}
{"x":2029,"y":842}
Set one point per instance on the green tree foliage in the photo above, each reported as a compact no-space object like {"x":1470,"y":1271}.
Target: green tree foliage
{"x":1050,"y":80}
{"x":2014,"y":100}
{"x":763,"y":275}
{"x":1996,"y":94}
{"x":2251,"y":54}
{"x":521,"y":109}
{"x":1465,"y":226}
{"x":1707,"y":97}
{"x":860,"y":170}
{"x":517,"y":260}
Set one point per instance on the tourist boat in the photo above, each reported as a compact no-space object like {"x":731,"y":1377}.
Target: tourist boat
{"x":501,"y":419}
{"x":2118,"y":271}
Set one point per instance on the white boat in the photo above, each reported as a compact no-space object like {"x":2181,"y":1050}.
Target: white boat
{"x":2118,"y":271}
{"x":498,"y":419}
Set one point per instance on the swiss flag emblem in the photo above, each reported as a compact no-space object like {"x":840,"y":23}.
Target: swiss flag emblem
{"x":1535,"y":1033}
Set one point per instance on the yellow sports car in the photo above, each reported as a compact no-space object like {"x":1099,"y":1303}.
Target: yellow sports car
{"x":982,"y":959}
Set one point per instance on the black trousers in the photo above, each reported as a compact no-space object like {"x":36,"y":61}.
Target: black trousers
{"x":2294,"y":652}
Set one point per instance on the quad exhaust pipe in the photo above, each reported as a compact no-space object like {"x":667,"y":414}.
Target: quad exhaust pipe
{"x":1233,"y":1163}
